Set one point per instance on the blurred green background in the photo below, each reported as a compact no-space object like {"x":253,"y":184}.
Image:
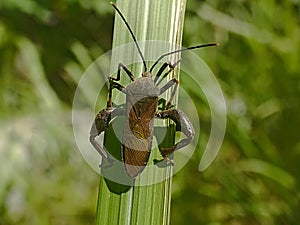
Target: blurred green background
{"x":255,"y":178}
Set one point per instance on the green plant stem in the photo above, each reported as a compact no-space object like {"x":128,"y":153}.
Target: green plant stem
{"x":120,"y":204}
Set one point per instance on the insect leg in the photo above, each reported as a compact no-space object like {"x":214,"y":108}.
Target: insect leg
{"x":172,"y":82}
{"x":183,"y":125}
{"x":128,"y":72}
{"x":101,"y":124}
{"x":113,"y":84}
{"x":161,"y":70}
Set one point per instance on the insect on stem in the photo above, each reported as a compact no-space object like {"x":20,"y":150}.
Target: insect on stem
{"x":140,"y":110}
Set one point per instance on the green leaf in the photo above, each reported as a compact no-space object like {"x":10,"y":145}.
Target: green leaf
{"x":132,"y":202}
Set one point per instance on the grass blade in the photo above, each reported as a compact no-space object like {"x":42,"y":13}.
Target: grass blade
{"x":121,"y":204}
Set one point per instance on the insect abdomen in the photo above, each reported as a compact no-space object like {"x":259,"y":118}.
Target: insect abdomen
{"x":138,"y":133}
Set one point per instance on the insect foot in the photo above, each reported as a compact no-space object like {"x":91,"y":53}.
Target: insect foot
{"x":169,"y":161}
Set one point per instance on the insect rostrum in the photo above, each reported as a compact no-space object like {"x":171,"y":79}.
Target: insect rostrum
{"x":141,"y":109}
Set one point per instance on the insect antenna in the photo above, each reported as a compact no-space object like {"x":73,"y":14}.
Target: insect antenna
{"x":181,"y":50}
{"x":132,"y":35}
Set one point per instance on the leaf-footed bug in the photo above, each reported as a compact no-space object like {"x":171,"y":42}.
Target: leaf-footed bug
{"x":140,"y":110}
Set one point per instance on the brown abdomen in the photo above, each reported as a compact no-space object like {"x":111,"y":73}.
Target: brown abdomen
{"x":138,"y":133}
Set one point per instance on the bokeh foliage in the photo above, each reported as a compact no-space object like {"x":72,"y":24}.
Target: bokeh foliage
{"x":44,"y":45}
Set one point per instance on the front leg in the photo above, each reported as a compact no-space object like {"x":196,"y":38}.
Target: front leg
{"x":162,"y":69}
{"x":101,"y":124}
{"x":183,"y":125}
{"x":114,"y":84}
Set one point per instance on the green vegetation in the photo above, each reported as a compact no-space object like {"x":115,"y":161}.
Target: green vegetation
{"x":142,"y":204}
{"x":45,"y":47}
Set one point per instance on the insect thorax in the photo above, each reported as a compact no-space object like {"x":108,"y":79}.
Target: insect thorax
{"x":143,"y":86}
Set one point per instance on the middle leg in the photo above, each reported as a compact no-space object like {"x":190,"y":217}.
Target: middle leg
{"x":168,"y":85}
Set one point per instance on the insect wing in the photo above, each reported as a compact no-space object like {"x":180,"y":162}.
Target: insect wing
{"x":138,"y":133}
